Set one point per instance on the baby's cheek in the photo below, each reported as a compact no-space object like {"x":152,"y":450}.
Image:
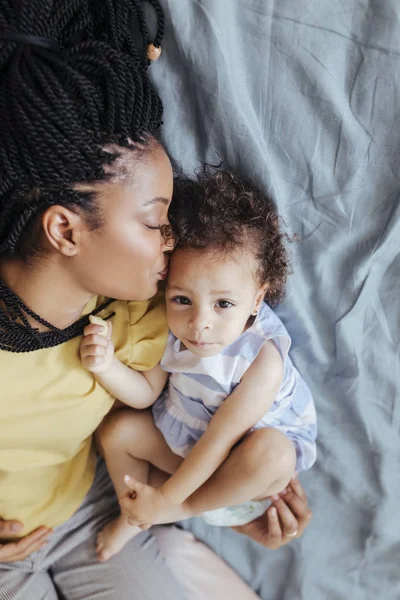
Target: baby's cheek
{"x":173,"y":319}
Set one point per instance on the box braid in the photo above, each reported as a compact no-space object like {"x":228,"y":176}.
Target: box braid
{"x":73,"y":78}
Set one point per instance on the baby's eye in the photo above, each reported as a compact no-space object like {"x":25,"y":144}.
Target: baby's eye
{"x":181,"y":300}
{"x":224,"y":304}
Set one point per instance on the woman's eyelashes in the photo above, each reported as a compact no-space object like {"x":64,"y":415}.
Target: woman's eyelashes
{"x":166,"y":233}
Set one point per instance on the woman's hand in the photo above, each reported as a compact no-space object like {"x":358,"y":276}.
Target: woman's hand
{"x":285,"y":520}
{"x":21,"y":548}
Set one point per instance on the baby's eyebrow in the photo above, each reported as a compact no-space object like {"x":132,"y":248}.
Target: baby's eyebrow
{"x":213,"y":292}
{"x":221,"y":292}
{"x":176,"y":287}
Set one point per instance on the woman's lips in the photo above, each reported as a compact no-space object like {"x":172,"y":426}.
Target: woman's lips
{"x":163,"y":274}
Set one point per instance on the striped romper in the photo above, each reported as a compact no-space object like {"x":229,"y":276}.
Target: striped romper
{"x":198,"y":386}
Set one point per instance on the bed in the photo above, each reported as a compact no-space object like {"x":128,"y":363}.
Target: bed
{"x":303,"y":97}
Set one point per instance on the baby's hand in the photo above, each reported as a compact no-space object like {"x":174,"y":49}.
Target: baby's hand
{"x":142,"y":504}
{"x":97,"y":350}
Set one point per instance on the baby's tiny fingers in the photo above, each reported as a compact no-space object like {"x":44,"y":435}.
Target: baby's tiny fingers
{"x":93,"y":329}
{"x":95,"y":340}
{"x":92,"y":362}
{"x":93,"y":350}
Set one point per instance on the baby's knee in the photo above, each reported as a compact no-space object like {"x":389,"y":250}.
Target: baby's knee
{"x":270,"y":450}
{"x":115,"y":431}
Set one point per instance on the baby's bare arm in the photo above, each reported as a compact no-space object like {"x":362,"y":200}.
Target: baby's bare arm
{"x":248,"y":403}
{"x":134,"y":388}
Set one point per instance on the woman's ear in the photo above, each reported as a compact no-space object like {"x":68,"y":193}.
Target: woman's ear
{"x":259,"y":298}
{"x":62,"y":229}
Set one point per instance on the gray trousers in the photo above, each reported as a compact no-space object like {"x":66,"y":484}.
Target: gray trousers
{"x":67,"y":567}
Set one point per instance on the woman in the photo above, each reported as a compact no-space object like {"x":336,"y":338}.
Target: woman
{"x":84,"y":194}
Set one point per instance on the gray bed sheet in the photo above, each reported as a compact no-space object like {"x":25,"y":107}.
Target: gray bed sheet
{"x":304,"y":98}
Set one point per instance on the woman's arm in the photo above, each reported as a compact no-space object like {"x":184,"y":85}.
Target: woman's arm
{"x":249,"y":402}
{"x":134,"y":388}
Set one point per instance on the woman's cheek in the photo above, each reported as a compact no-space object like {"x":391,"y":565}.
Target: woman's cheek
{"x":147,"y":246}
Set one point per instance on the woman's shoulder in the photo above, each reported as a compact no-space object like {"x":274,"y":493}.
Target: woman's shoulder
{"x":132,"y":311}
{"x":139,"y":330}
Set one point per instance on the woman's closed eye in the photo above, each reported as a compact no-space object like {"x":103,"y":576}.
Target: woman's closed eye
{"x":166,"y":233}
{"x":155,"y":227}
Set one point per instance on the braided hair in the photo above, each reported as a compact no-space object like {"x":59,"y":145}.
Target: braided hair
{"x":73,"y":80}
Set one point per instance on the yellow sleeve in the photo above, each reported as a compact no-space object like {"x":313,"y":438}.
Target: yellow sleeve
{"x":148,"y":332}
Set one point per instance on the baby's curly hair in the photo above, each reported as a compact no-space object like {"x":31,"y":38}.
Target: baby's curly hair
{"x":221,"y":212}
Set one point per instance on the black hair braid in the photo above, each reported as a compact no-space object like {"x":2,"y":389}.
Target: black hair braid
{"x":13,"y":335}
{"x":58,"y":109}
{"x":47,"y":122}
{"x":160,"y":21}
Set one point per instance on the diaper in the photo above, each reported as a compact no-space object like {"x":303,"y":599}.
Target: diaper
{"x":239,"y":514}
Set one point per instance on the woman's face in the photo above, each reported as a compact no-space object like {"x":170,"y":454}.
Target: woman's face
{"x":125,"y":257}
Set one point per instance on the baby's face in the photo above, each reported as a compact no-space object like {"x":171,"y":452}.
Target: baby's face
{"x":210,"y":298}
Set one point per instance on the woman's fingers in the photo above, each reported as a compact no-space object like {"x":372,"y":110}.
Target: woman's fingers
{"x":33,"y":541}
{"x":298,"y":489}
{"x":8,"y":528}
{"x":19,"y":550}
{"x":297,"y":501}
{"x":293,"y":510}
{"x":289,"y":523}
{"x":297,"y":505}
{"x":275,"y":533}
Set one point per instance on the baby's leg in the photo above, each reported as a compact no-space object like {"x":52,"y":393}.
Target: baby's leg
{"x":261,"y":465}
{"x":129,"y":441}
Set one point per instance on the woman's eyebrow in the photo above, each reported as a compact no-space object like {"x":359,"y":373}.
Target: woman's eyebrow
{"x":155,"y":200}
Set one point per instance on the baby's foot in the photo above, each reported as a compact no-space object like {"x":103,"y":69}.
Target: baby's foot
{"x":113,"y":538}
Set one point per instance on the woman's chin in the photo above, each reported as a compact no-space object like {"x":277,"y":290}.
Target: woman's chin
{"x":138,"y":294}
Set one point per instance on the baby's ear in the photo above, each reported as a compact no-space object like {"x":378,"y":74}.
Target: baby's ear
{"x":260,"y":297}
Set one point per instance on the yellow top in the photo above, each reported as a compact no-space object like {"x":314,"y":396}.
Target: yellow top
{"x":49,"y":408}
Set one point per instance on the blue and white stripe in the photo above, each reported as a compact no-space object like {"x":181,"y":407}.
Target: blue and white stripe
{"x":198,"y":386}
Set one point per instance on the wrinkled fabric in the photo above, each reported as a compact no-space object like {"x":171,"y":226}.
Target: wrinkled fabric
{"x":303,"y":97}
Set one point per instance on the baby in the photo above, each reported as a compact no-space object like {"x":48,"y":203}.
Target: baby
{"x":236,"y":419}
